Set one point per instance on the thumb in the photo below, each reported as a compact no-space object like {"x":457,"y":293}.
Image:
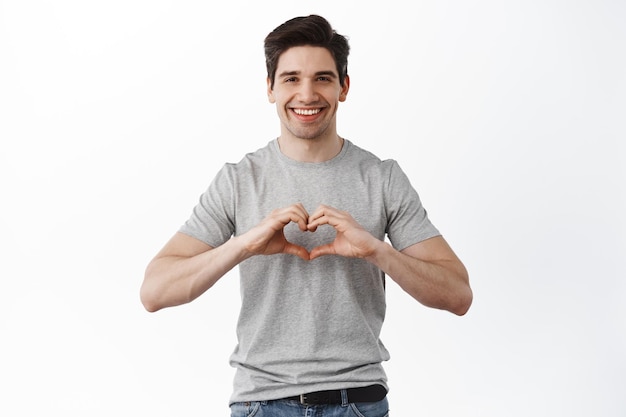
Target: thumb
{"x":299,"y":251}
{"x":328,"y":249}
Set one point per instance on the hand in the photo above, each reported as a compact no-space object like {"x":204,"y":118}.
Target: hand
{"x":268,"y":238}
{"x":351,"y":240}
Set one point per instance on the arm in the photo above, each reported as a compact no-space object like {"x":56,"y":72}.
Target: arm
{"x":429,"y":271}
{"x":186,"y":267}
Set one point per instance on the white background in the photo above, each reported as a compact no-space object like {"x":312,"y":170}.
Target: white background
{"x":508,"y":116}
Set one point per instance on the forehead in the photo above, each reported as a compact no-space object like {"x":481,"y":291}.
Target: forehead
{"x":303,"y":58}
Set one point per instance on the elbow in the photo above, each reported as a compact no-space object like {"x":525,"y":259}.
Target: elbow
{"x":464,"y":296}
{"x":156,"y":294}
{"x":152,"y":291}
{"x":150,"y":308}
{"x":148,"y":301}
{"x":464,"y":302}
{"x":149,"y":297}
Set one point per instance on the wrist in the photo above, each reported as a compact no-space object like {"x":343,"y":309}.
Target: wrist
{"x":380,"y":247}
{"x":239,"y":247}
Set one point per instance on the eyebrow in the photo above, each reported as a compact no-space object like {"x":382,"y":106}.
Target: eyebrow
{"x":317,"y":74}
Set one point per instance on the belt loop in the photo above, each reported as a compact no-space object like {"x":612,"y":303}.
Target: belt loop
{"x":344,"y":397}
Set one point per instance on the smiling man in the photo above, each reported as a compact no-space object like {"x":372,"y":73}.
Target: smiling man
{"x":307,"y":92}
{"x":305,"y":219}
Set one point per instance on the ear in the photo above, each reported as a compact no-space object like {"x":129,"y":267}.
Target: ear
{"x":344,"y":89}
{"x":270,"y":93}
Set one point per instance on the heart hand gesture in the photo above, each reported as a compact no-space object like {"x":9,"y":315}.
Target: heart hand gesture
{"x":351,"y":240}
{"x":268,"y":238}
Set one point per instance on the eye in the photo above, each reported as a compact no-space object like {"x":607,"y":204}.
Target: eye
{"x":291,"y":80}
{"x":324,"y":78}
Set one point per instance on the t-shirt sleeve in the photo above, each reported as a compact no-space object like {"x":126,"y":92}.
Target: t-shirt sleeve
{"x":211,"y":220}
{"x":408,"y":221}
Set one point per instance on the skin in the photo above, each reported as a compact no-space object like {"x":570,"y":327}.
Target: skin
{"x":307,"y":94}
{"x":306,"y":80}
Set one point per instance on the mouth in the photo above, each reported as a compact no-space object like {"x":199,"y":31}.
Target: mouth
{"x":306,"y":112}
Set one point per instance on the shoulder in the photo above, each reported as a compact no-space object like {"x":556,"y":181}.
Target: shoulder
{"x":251,"y":161}
{"x":368,"y":161}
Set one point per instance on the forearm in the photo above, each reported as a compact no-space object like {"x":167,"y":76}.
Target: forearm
{"x":441,"y":284}
{"x":174,"y":280}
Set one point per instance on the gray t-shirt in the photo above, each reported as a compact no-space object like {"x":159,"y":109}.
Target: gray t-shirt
{"x":309,"y":325}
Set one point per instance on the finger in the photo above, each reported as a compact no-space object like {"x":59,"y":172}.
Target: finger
{"x":295,"y":213}
{"x":299,"y":251}
{"x":320,"y":211}
{"x":325,"y":217}
{"x":318,"y":217}
{"x":298,"y":214}
{"x":300,"y":207}
{"x":302,"y":216}
{"x":316,"y":252}
{"x":314,"y":224}
{"x":302,"y":222}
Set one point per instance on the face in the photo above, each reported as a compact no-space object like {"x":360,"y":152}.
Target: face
{"x":307,"y":92}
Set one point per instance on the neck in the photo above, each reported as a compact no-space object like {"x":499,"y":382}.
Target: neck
{"x":319,"y":149}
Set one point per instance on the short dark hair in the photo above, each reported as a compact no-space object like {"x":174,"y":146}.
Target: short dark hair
{"x":310,"y":30}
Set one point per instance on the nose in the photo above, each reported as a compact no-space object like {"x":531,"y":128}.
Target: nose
{"x":306,"y":92}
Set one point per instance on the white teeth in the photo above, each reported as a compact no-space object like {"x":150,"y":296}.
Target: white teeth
{"x":306,"y":112}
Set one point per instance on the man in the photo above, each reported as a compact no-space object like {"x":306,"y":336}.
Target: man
{"x":305,"y":220}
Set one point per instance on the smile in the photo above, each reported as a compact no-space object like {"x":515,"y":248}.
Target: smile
{"x":307,"y":112}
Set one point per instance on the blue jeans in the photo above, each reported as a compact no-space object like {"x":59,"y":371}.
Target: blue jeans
{"x":286,"y":408}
